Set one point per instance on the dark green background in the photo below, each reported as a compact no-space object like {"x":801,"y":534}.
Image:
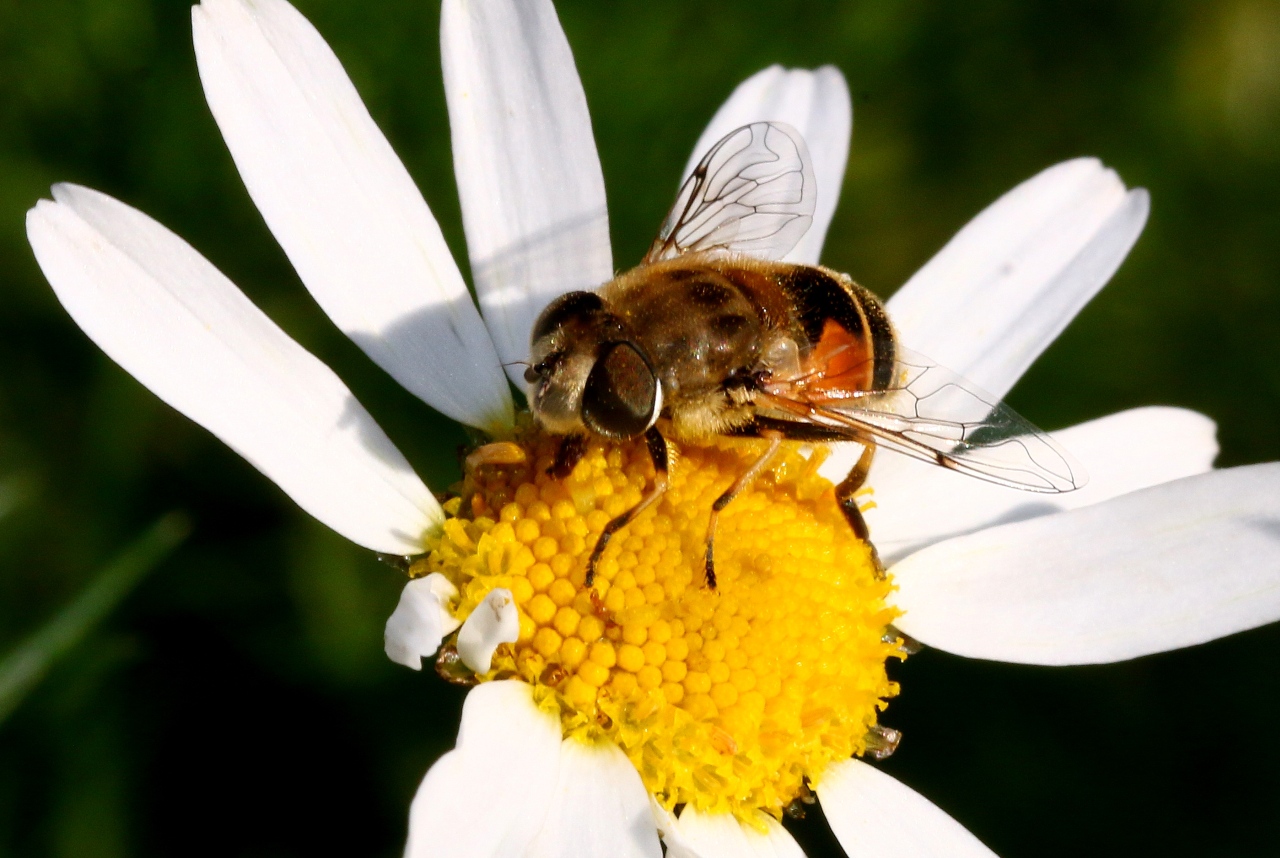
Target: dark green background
{"x":238,"y":704}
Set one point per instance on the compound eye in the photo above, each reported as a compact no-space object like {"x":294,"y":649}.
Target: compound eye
{"x":621,"y":394}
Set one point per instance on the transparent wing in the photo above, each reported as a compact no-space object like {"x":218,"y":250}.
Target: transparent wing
{"x":932,"y":414}
{"x":753,"y":193}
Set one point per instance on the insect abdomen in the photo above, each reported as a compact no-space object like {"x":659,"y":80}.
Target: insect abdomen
{"x":837,"y":313}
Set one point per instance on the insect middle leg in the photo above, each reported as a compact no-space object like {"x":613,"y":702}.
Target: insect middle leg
{"x":743,"y":481}
{"x":845,"y":492}
{"x":658,"y":453}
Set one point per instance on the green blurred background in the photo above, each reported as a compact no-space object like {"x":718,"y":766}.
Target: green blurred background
{"x":237,"y":702}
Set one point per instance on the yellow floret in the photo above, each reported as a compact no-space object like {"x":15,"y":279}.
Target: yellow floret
{"x":547,"y":642}
{"x":572,"y":652}
{"x":562,"y":592}
{"x":566,"y":621}
{"x":630,"y":658}
{"x":725,"y":699}
{"x":594,"y":673}
{"x":541,"y":609}
{"x":603,"y":654}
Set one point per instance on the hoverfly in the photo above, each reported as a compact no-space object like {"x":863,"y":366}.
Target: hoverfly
{"x":714,"y":333}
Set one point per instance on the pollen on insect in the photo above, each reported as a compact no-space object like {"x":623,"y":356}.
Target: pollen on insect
{"x":724,"y":699}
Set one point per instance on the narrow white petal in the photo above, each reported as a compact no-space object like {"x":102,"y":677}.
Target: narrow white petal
{"x":721,"y":835}
{"x":490,"y":795}
{"x":343,"y":207}
{"x":876,"y":816}
{"x":420,"y":621}
{"x":817,"y":104}
{"x":528,"y":174}
{"x":599,"y":807}
{"x":174,"y":322}
{"x":675,"y":844}
{"x":494,"y":621}
{"x":917,"y":504}
{"x":1008,"y":283}
{"x":1162,"y":568}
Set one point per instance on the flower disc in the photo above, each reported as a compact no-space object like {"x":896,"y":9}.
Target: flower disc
{"x":727,"y":698}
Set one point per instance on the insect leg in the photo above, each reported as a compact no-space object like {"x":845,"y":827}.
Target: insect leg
{"x":658,"y":452}
{"x":849,"y":506}
{"x":745,"y":479}
{"x":568,"y":454}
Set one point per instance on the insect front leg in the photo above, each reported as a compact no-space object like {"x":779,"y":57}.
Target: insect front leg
{"x":571,"y":450}
{"x":745,"y":479}
{"x":658,"y":453}
{"x":845,"y":492}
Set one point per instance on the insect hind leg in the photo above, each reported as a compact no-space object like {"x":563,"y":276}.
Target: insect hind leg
{"x":658,"y":453}
{"x":848,"y":504}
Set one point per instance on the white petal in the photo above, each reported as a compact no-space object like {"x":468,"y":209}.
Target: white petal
{"x":528,"y":174}
{"x":490,"y":795}
{"x":174,"y":322}
{"x":1008,"y":283}
{"x":675,"y":843}
{"x":917,"y":504}
{"x":721,"y":835}
{"x":876,"y":816}
{"x":816,"y":103}
{"x":420,"y":621}
{"x":494,"y":621}
{"x":343,"y":207}
{"x":599,"y":807}
{"x":1162,"y":568}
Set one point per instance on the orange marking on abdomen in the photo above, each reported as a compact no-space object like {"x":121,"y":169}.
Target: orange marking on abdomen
{"x":841,"y":365}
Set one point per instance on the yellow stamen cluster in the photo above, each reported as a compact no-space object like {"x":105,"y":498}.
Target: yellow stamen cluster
{"x":725,"y":699}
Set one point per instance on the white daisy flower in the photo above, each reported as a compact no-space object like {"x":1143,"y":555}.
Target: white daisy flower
{"x":649,"y":708}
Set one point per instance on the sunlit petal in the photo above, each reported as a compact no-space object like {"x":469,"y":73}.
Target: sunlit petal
{"x":599,"y":807}
{"x":722,"y":835}
{"x":1009,"y":282}
{"x":876,"y":816}
{"x":490,"y":795}
{"x":420,"y":621}
{"x":1162,"y":568}
{"x":175,"y":323}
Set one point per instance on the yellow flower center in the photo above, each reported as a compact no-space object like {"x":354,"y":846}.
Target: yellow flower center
{"x":725,"y":699}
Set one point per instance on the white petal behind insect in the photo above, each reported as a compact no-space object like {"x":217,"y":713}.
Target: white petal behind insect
{"x":814,"y":102}
{"x":343,"y":206}
{"x":529,"y":177}
{"x":754,"y":193}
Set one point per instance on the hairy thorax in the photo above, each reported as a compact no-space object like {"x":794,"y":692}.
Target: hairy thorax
{"x":711,"y":325}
